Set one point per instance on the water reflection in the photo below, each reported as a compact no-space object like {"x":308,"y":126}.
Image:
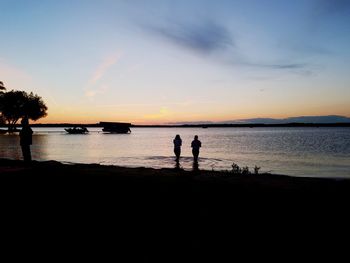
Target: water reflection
{"x":177,"y":164}
{"x":293,"y":151}
{"x":9,"y":146}
{"x":39,"y":147}
{"x":195,"y":166}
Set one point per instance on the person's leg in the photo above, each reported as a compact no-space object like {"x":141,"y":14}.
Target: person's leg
{"x":177,"y":153}
{"x":27,"y":157}
{"x":195,"y":155}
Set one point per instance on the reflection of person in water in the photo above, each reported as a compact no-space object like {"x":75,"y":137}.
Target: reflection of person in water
{"x":196,"y":144}
{"x":177,"y":147}
{"x":26,"y":139}
{"x":195,"y":166}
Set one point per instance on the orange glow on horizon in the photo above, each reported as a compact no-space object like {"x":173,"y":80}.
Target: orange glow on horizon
{"x":154,"y":115}
{"x":95,"y":119}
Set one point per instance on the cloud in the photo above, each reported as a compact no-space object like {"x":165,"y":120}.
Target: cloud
{"x":107,"y":63}
{"x":283,"y":66}
{"x":209,"y":37}
{"x":163,"y":112}
{"x":94,"y":88}
{"x":263,"y":65}
{"x":203,"y":37}
{"x":91,"y":93}
{"x":206,"y":37}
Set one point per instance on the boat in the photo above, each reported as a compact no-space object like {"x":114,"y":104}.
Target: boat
{"x":116,"y":127}
{"x":77,"y":130}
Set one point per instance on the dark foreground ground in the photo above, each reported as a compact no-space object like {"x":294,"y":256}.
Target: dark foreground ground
{"x":54,"y":211}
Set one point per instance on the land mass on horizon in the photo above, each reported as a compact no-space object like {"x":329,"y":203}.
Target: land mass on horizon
{"x":329,"y":120}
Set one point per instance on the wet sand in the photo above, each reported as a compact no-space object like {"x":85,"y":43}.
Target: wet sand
{"x":168,"y":215}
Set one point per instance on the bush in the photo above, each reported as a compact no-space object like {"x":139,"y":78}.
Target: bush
{"x":244,"y":171}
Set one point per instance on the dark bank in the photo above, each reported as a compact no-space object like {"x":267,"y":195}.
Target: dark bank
{"x":168,"y":213}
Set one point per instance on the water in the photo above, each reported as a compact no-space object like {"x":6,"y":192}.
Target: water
{"x":320,"y":152}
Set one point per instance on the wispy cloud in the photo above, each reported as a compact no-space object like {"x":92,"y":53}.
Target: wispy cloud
{"x":278,"y":65}
{"x":209,"y":37}
{"x":107,"y":63}
{"x":91,"y":93}
{"x":94,"y":86}
{"x":203,"y":36}
{"x":163,"y":112}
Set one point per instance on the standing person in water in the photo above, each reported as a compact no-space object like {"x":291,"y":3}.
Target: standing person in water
{"x":196,"y":144}
{"x":26,"y":139}
{"x":177,"y":147}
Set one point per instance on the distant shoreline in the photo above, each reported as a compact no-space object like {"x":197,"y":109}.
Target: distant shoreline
{"x":255,"y":125}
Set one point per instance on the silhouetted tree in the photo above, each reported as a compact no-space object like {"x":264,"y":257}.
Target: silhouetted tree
{"x":2,"y":89}
{"x":18,"y":104}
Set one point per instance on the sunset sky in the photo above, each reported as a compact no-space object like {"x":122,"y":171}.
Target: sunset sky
{"x":173,"y":61}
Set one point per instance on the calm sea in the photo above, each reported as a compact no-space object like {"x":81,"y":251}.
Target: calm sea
{"x":321,"y":152}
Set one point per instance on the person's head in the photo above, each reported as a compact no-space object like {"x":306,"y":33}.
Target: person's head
{"x":196,"y":137}
{"x":24,"y":121}
{"x":177,"y":137}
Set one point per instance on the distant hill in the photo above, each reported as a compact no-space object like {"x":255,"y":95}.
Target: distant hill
{"x":301,"y":119}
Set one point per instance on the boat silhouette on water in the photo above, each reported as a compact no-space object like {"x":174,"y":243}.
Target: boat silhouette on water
{"x":77,"y":130}
{"x":116,"y":127}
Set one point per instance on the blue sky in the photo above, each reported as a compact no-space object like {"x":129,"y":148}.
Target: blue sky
{"x":168,"y":61}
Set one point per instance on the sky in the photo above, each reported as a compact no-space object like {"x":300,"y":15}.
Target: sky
{"x":162,"y":61}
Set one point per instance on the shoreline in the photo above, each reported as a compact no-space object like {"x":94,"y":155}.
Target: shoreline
{"x":262,"y":180}
{"x":224,"y":173}
{"x":168,"y":215}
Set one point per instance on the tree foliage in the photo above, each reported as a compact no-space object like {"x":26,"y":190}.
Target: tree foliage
{"x":15,"y":105}
{"x":2,"y":89}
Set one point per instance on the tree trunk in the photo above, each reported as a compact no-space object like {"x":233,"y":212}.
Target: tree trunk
{"x":11,"y":126}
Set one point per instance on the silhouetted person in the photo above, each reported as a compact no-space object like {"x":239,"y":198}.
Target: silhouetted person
{"x":26,"y":139}
{"x":196,"y":144}
{"x":195,"y":166}
{"x":177,"y":165}
{"x":177,"y":147}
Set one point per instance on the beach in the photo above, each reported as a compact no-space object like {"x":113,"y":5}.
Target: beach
{"x":159,"y":214}
{"x":16,"y":171}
